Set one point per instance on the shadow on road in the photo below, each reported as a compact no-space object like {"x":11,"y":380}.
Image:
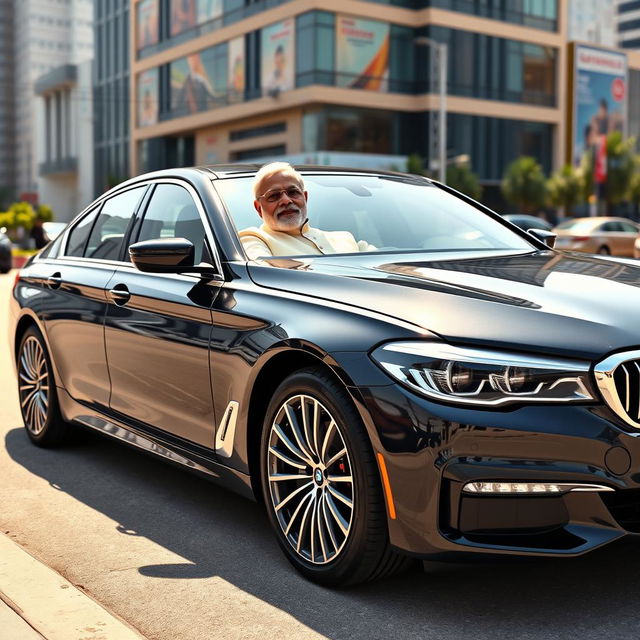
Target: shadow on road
{"x":220,"y":534}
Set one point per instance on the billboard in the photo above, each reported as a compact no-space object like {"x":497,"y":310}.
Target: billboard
{"x":362,"y":53}
{"x":148,"y":98}
{"x":236,"y":72}
{"x":193,"y":86}
{"x":147,"y":23}
{"x":183,"y":15}
{"x":278,"y":54}
{"x":599,"y":97}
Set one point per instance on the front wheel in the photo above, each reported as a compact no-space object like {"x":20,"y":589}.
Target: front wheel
{"x":37,"y":392}
{"x":321,"y":484}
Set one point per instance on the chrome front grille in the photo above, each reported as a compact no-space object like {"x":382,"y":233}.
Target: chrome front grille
{"x":618,"y":378}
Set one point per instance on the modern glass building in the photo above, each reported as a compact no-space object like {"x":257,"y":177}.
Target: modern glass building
{"x":348,"y":80}
{"x":111,"y":93}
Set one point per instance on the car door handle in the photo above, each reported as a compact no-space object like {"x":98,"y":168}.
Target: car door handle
{"x":54,"y":281}
{"x":120,"y":294}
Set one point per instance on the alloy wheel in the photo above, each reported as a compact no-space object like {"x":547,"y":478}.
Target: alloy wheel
{"x":34,"y":385}
{"x":310,"y":479}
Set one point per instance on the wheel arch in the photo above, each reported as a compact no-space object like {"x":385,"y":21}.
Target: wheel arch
{"x":27,"y":320}
{"x":283,"y":361}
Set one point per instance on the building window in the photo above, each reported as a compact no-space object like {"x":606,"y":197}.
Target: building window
{"x":254,"y":132}
{"x":258,"y":154}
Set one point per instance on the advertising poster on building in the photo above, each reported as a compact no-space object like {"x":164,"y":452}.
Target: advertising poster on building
{"x":184,"y":15}
{"x":147,"y":23}
{"x":192,"y":84}
{"x":148,"y":98}
{"x":278,"y":55}
{"x":236,"y":70}
{"x":600,"y":98}
{"x":362,"y":48}
{"x":208,"y":10}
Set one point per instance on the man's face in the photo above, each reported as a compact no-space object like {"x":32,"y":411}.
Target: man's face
{"x":287,"y":212}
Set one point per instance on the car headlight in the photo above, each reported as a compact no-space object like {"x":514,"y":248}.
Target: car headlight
{"x":483,"y":377}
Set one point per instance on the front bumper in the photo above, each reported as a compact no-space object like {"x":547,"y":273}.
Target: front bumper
{"x":432,"y":451}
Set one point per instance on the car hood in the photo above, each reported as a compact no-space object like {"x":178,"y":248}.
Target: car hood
{"x":547,"y":301}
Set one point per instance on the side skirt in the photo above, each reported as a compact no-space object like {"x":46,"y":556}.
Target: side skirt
{"x":175,"y":450}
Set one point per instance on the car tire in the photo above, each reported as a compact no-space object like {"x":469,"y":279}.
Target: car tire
{"x":331,"y":521}
{"x":604,"y":251}
{"x":37,"y":392}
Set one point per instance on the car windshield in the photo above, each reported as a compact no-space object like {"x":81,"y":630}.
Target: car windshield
{"x":387,"y":212}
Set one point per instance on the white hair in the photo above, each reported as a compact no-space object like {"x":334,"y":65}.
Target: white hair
{"x":268,"y":170}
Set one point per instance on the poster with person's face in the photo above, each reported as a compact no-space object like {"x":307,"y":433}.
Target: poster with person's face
{"x":362,"y":48}
{"x":278,"y":55}
{"x":192,"y":84}
{"x":208,"y":10}
{"x":148,"y":97}
{"x":147,"y":23}
{"x":600,"y":97}
{"x":184,"y":14}
{"x":236,"y":70}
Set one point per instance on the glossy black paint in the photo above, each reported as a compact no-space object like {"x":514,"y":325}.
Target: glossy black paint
{"x":155,"y":360}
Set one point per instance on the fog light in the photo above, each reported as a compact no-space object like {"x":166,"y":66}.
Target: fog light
{"x":530,"y":487}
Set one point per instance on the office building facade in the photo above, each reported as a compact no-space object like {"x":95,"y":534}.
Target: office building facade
{"x":52,"y":33}
{"x":111,"y":94}
{"x":231,"y":81}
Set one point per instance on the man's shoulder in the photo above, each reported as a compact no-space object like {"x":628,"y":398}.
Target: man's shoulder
{"x":249,"y":232}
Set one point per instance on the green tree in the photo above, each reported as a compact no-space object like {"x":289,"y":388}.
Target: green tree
{"x":634,"y":183}
{"x":565,"y":188}
{"x":415,"y":164}
{"x":620,"y":168}
{"x":24,"y":215}
{"x":44,"y":212}
{"x":524,"y":184}
{"x":461,"y":178}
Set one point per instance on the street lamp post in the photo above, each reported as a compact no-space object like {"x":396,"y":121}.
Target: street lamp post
{"x":439,"y":127}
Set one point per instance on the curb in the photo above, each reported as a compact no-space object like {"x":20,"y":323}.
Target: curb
{"x":49,"y":604}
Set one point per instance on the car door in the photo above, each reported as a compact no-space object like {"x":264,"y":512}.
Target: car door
{"x":74,"y":296}
{"x":158,"y":327}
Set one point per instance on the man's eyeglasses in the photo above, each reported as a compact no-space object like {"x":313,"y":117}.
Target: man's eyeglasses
{"x":273,"y":196}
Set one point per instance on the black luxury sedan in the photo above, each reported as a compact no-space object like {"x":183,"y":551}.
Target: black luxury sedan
{"x":459,"y":387}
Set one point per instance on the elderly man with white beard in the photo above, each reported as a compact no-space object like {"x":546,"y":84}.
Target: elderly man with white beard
{"x":281,"y":202}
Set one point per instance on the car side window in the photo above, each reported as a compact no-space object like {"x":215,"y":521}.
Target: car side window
{"x":79,"y":234}
{"x":629,"y":228}
{"x":611,"y":226}
{"x":172,"y":213}
{"x":108,"y":232}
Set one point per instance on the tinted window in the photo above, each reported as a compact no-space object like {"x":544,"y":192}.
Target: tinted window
{"x":108,"y":232}
{"x":79,"y":234}
{"x":172,"y":213}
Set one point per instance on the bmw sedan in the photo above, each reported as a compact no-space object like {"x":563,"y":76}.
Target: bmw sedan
{"x":461,"y":387}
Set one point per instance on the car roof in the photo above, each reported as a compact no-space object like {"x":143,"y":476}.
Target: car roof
{"x":235,"y":170}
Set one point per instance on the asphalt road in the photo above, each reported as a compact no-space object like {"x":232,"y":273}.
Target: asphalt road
{"x":181,"y":559}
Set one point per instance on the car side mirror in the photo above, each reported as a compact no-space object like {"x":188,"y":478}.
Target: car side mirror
{"x":166,"y":255}
{"x":548,"y":237}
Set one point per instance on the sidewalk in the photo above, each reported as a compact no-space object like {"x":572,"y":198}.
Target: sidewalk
{"x":36,"y":603}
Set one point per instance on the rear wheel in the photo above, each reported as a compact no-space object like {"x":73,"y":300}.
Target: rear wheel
{"x":321,"y":484}
{"x":36,"y":388}
{"x":604,"y":251}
